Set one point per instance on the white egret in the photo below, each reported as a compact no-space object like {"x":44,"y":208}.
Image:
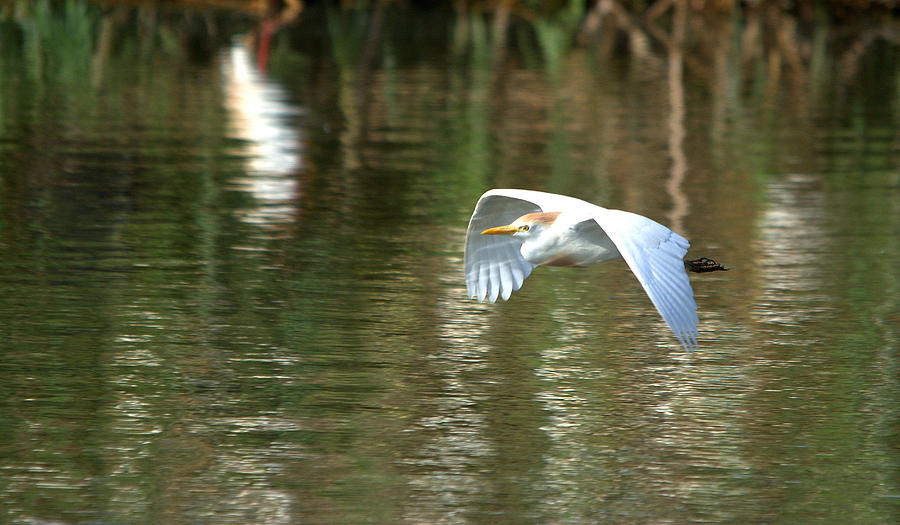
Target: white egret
{"x":512,"y":231}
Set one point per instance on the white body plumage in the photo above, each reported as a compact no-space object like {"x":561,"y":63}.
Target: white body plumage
{"x":557,"y":239}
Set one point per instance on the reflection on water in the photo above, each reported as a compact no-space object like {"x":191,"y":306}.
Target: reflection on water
{"x":167,"y":358}
{"x":791,"y":245}
{"x":261,"y":116}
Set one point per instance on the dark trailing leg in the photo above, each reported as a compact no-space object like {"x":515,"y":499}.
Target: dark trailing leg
{"x":704,"y":264}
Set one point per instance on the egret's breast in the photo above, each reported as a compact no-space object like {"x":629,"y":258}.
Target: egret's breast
{"x":572,"y":246}
{"x":581,"y":257}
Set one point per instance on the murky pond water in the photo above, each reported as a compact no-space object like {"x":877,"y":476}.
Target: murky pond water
{"x":231,"y":284}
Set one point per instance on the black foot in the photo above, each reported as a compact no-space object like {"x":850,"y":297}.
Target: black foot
{"x":704,"y":264}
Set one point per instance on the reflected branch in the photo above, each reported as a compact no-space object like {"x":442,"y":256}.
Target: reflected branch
{"x":680,"y":202}
{"x":639,"y":43}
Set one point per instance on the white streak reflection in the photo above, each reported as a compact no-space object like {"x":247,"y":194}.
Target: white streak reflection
{"x":260,"y":115}
{"x":792,"y":241}
{"x":445,"y":466}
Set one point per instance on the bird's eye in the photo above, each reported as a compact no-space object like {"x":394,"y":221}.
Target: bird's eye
{"x":524,"y":228}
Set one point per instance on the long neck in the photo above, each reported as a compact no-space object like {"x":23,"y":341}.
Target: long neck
{"x":567,"y":243}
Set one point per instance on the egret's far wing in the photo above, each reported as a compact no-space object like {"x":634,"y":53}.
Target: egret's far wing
{"x":494,"y":265}
{"x":655,"y":255}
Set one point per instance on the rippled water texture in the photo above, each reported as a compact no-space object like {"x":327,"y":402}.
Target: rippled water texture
{"x":231,"y":286}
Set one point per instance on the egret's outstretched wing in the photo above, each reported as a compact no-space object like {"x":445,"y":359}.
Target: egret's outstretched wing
{"x":494,"y":265}
{"x":655,"y":255}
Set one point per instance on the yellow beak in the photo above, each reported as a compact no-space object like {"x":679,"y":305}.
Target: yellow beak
{"x":501,"y":230}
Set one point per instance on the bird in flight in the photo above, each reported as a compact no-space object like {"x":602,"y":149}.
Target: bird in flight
{"x":512,"y":231}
